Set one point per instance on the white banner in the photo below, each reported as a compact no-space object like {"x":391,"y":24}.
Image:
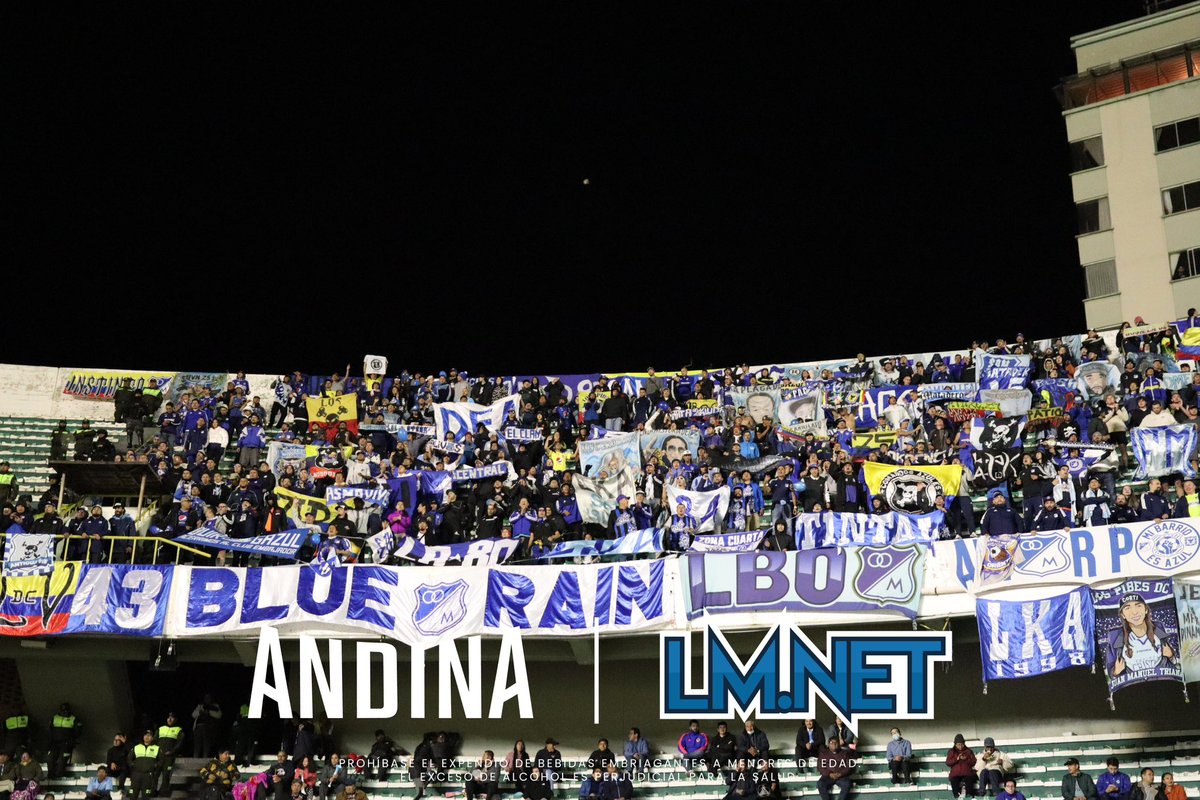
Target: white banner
{"x":462,"y":418}
{"x":1089,"y":556}
{"x":707,"y":507}
{"x":553,"y":601}
{"x":416,"y":606}
{"x":1187,"y":602}
{"x":375,"y":364}
{"x":28,"y":554}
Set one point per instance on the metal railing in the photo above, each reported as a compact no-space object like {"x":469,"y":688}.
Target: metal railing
{"x":141,"y":549}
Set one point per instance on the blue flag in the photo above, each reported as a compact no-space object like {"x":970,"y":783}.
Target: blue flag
{"x":1020,"y":639}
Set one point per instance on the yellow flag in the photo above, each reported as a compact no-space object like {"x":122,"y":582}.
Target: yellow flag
{"x":344,"y":407}
{"x":911,"y":489}
{"x":296,"y":505}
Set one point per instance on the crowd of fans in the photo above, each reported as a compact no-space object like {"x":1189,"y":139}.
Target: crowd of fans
{"x":190,"y":438}
{"x":308,"y":764}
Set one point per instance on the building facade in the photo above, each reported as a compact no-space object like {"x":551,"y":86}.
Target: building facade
{"x":1133,"y":122}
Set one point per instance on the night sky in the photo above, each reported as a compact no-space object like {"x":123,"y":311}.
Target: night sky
{"x":216,"y":187}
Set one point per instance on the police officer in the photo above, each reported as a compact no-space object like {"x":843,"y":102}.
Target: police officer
{"x":16,"y":731}
{"x":64,"y":728}
{"x":145,"y":761}
{"x":170,"y":737}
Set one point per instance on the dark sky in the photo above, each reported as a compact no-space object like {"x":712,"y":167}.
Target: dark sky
{"x":210,"y":187}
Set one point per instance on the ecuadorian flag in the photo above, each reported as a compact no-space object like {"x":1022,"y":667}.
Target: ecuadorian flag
{"x":1191,"y":344}
{"x":37,"y":605}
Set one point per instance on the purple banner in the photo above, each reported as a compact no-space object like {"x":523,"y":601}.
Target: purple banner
{"x":851,"y":580}
{"x":1137,"y":628}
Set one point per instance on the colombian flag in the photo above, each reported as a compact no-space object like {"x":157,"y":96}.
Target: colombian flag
{"x":37,"y":605}
{"x":1191,"y":344}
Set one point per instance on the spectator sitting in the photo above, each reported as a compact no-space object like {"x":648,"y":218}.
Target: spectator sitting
{"x":836,"y":763}
{"x":899,"y":756}
{"x":741,"y":782}
{"x":993,"y":766}
{"x":1076,"y":783}
{"x":961,"y":761}
{"x":693,"y":744}
{"x":1009,"y":792}
{"x":1113,"y":784}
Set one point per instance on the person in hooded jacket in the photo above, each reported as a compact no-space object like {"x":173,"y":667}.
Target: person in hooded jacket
{"x":1000,"y":518}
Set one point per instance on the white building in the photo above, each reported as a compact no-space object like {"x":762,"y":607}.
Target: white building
{"x":1133,"y":121}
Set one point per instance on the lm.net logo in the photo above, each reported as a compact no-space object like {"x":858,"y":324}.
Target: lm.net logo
{"x":861,"y":675}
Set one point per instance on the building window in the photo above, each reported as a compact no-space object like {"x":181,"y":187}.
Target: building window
{"x":1177,"y":134}
{"x":1101,"y":278}
{"x":1181,"y":198}
{"x":1087,"y":154}
{"x":1135,"y":75}
{"x":1093,"y":216}
{"x":1185,"y":264}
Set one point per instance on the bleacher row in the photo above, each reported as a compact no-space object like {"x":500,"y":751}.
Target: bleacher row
{"x":25,"y":444}
{"x":1039,"y":765}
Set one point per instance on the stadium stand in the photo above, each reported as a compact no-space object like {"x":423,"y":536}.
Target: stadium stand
{"x":791,"y":428}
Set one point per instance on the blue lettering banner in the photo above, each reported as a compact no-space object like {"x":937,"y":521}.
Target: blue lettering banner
{"x":125,"y":599}
{"x":1020,"y":639}
{"x":838,"y":529}
{"x":481,"y":552}
{"x":276,"y":545}
{"x":1087,"y":556}
{"x":1003,"y":371}
{"x":854,"y":579}
{"x":1162,"y":451}
{"x":357,"y":496}
{"x":745,"y":542}
{"x":552,"y":601}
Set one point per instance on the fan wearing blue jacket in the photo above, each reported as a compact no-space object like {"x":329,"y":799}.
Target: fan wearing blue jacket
{"x":693,"y":744}
{"x":251,"y":442}
{"x":1000,"y":518}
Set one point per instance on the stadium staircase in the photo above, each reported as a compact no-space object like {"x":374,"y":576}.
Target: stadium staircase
{"x":25,"y":444}
{"x":1039,"y":765}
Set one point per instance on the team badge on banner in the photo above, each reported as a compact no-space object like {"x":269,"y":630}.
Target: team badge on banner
{"x":912,"y":489}
{"x":28,"y":554}
{"x":1020,"y":639}
{"x":1137,"y":629}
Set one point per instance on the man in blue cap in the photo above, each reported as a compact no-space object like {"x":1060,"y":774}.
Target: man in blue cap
{"x":1000,"y":518}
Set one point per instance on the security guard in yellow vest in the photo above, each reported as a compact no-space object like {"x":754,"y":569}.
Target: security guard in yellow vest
{"x":145,"y":762}
{"x":64,"y":732}
{"x":9,"y":486}
{"x":16,"y":731}
{"x":170,"y":737}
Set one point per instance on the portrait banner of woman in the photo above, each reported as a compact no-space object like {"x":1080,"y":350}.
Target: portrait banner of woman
{"x":1137,"y":628}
